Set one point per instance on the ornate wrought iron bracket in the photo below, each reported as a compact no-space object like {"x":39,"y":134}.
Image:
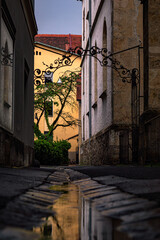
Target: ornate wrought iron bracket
{"x":6,"y":57}
{"x":103,"y":56}
{"x":66,"y":60}
{"x":106,"y":59}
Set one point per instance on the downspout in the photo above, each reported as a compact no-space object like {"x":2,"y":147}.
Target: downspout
{"x":90,"y":73}
{"x":70,"y":41}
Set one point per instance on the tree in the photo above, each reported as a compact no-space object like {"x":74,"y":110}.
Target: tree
{"x":59,"y":95}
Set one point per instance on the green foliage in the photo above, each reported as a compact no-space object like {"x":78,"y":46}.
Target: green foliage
{"x":52,"y":153}
{"x":60,"y":95}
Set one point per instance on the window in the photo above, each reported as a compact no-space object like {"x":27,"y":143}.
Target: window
{"x":83,"y":128}
{"x":83,"y":81}
{"x":26,"y":75}
{"x":50,"y":137}
{"x":104,"y":46}
{"x":6,"y":85}
{"x":46,"y":132}
{"x":95,"y":76}
{"x":83,"y":24}
{"x":36,"y":116}
{"x":49,"y":108}
{"x":48,"y":77}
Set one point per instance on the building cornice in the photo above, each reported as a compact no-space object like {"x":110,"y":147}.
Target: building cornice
{"x":30,"y":17}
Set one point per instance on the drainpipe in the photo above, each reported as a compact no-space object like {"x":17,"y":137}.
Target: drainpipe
{"x":70,"y":41}
{"x":90,"y":74}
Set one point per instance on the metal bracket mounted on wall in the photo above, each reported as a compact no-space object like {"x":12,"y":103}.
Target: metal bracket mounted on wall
{"x":6,"y":57}
{"x":103,"y":56}
{"x":106,"y":59}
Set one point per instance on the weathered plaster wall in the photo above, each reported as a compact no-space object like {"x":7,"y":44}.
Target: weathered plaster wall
{"x":150,"y":119}
{"x":99,"y":119}
{"x":127,"y":32}
{"x":124,"y":20}
{"x":154,"y":53}
{"x":16,"y":132}
{"x":102,"y":113}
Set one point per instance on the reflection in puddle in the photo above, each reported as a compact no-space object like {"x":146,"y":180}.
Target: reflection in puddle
{"x":64,"y":225}
{"x":75,"y":218}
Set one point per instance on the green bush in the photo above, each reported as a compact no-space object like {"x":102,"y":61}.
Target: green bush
{"x":52,"y":153}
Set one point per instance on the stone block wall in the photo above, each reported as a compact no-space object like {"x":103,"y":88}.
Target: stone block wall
{"x":103,"y":148}
{"x":154,"y":53}
{"x":127,"y":33}
{"x":149,"y":143}
{"x":13,"y":152}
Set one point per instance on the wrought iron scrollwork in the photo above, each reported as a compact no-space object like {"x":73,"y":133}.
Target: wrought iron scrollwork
{"x":6,"y":57}
{"x":103,"y":56}
{"x":39,"y":77}
{"x":65,"y":61}
{"x":106,"y":59}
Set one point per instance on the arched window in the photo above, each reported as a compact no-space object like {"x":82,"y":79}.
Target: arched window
{"x":6,"y":79}
{"x":104,"y":46}
{"x":6,"y":83}
{"x":84,"y":24}
{"x":95,"y":76}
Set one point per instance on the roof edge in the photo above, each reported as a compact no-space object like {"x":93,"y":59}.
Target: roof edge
{"x":55,"y":48}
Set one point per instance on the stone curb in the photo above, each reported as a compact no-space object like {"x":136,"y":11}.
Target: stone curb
{"x":139,"y":217}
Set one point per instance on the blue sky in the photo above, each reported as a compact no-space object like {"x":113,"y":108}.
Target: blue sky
{"x":58,"y":16}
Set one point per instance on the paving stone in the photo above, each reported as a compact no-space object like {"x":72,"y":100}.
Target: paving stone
{"x":115,"y":197}
{"x":112,"y":180}
{"x":75,"y":175}
{"x":94,"y":187}
{"x":102,"y":204}
{"x":141,"y":216}
{"x":127,"y":210}
{"x":88,"y":183}
{"x":42,"y":195}
{"x":140,"y":186}
{"x":110,"y":190}
{"x":80,"y":181}
{"x":95,"y":195}
{"x":144,"y":230}
{"x":11,"y":233}
{"x":47,"y":191}
{"x":38,"y":198}
{"x":33,"y":200}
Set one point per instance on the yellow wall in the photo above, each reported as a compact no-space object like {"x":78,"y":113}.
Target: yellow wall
{"x":48,"y":56}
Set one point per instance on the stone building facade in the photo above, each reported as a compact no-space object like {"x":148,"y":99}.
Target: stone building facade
{"x":16,"y":82}
{"x":150,"y":118}
{"x":108,"y":113}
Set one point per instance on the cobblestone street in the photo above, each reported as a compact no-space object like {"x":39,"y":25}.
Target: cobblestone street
{"x":110,"y":207}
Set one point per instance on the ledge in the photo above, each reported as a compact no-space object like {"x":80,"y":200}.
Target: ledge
{"x":94,"y":105}
{"x":103,"y":95}
{"x":6,"y":104}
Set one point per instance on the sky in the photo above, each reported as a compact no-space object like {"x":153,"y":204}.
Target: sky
{"x":59,"y":16}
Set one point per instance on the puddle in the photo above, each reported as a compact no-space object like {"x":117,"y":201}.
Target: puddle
{"x":76,"y":219}
{"x":64,"y":225}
